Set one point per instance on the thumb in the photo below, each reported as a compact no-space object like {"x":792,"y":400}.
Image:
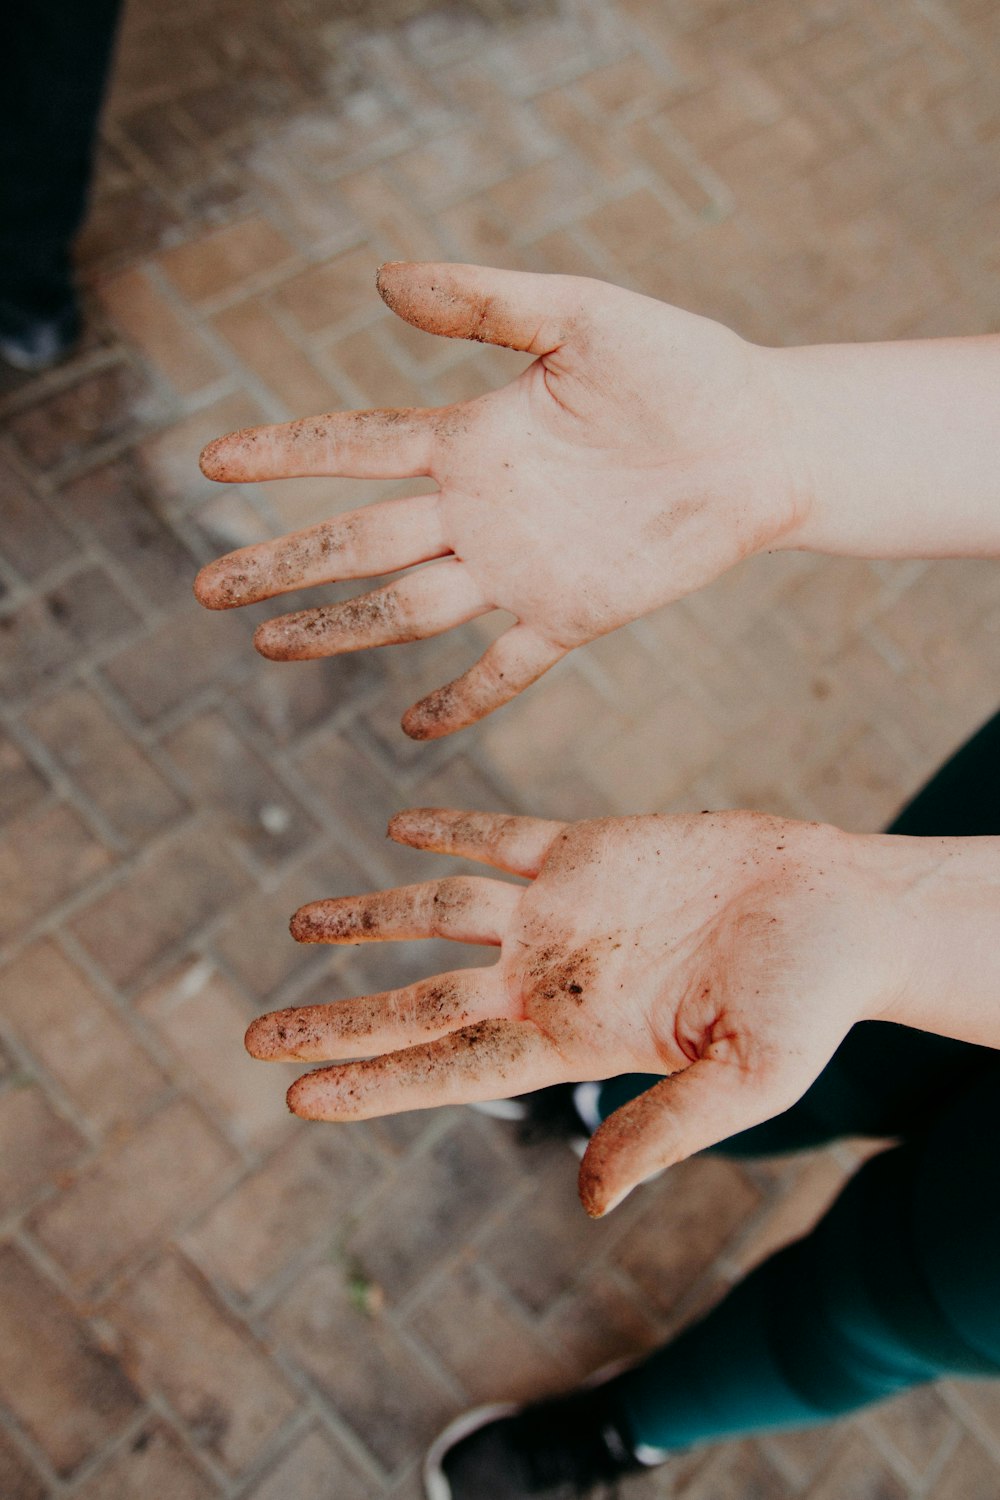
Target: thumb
{"x":518,"y":309}
{"x":685,"y":1113}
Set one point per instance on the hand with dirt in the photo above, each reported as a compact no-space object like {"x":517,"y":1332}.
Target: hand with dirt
{"x":638,"y":457}
{"x":730,"y":951}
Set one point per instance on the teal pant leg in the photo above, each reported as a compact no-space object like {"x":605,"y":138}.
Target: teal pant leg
{"x":898,"y":1284}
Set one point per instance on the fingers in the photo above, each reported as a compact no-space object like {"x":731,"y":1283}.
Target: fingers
{"x":488,"y":1060}
{"x":378,"y":1023}
{"x":509,"y":843}
{"x":706,"y":1103}
{"x":380,"y":539}
{"x":421,"y":604}
{"x":513,"y":662}
{"x":464,"y":908}
{"x":514,"y":308}
{"x":389,"y":443}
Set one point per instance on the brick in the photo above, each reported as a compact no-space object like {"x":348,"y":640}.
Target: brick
{"x":741,"y":1472}
{"x":172,"y":344}
{"x":287,"y":705}
{"x":298,"y":1202}
{"x":633,"y":228}
{"x":132,"y":1194}
{"x":90,"y":608}
{"x":446,"y":1192}
{"x":265,"y":348}
{"x":179,"y":885}
{"x":33,"y":539}
{"x":21,"y":786}
{"x":262,"y":814}
{"x":741,"y":99}
{"x":522,"y":1364}
{"x":69,"y":1396}
{"x":596,"y":1321}
{"x":67,"y":425}
{"x":106,"y":763}
{"x":918,"y":1424}
{"x":313,"y":1469}
{"x":113,"y":504}
{"x":169,"y":459}
{"x":151,"y":1463}
{"x":226,"y":259}
{"x":34,"y":648}
{"x":186,"y":652}
{"x":56,"y":1013}
{"x":180,"y":1341}
{"x":326,"y":295}
{"x":362,"y":360}
{"x":255,"y":941}
{"x":36,"y":1145}
{"x":707,"y":1201}
{"x":17,"y":1480}
{"x":542,"y":195}
{"x":201,"y":1019}
{"x":857,"y":1470}
{"x":390,"y":1400}
{"x":45,"y":856}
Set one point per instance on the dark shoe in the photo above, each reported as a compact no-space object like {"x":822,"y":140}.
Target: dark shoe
{"x":32,"y":341}
{"x":566,"y":1111}
{"x":564,"y":1449}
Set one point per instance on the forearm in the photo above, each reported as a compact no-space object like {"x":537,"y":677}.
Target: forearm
{"x":942,"y":912}
{"x":894,"y":448}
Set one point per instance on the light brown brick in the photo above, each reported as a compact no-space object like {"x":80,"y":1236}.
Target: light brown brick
{"x":21,"y":786}
{"x":17,"y":1480}
{"x":325,"y":295}
{"x":36,"y":1145}
{"x":106,"y":763}
{"x":262,"y":814}
{"x":174,"y":346}
{"x":859,"y":1471}
{"x":226,"y":259}
{"x":201,"y":1019}
{"x":133,"y":1194}
{"x":69,"y":1396}
{"x":390,"y":1400}
{"x":77,"y":1037}
{"x":522,"y":1364}
{"x":184,"y":881}
{"x":265,"y":348}
{"x":298,"y":1201}
{"x":187,"y":651}
{"x":313,"y":1469}
{"x":178,"y":1339}
{"x":634,"y":228}
{"x":918,"y":1423}
{"x":45,"y":856}
{"x":67,"y":425}
{"x":151,"y":1463}
{"x":701,"y":1205}
{"x":33,"y":539}
{"x":169,"y":459}
{"x":361,"y":359}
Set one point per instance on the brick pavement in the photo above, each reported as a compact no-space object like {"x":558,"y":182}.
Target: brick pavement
{"x":200,"y":1296}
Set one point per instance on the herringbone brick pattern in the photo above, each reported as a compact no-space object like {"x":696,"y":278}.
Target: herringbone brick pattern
{"x":201,"y":1297}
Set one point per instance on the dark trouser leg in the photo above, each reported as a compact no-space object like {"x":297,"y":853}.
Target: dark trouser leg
{"x":882,"y":1076}
{"x":898,"y":1284}
{"x":54,"y":59}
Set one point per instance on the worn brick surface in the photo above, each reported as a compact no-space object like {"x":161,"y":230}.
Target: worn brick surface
{"x":301,"y":1306}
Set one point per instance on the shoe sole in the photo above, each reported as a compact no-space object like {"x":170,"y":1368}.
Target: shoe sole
{"x":436,"y":1486}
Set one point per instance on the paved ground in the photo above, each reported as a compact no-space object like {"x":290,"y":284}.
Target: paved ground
{"x":200,"y":1297}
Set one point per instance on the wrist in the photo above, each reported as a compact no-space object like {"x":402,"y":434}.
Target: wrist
{"x":941,"y":897}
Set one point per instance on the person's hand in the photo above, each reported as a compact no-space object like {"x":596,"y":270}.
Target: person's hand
{"x":636,"y":459}
{"x":732,"y":951}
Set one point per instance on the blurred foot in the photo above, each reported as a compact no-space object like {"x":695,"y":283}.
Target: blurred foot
{"x":567,"y":1111}
{"x":565,"y":1449}
{"x":31,"y":340}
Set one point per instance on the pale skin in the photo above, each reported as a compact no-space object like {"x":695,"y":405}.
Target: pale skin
{"x":731,"y":952}
{"x":642,"y":453}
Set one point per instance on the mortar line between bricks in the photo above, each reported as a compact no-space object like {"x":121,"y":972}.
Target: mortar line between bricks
{"x":35,"y":1456}
{"x":971,"y":1419}
{"x":51,"y":382}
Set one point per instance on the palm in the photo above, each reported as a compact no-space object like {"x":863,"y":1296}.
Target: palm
{"x":631,"y":463}
{"x":724,"y":950}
